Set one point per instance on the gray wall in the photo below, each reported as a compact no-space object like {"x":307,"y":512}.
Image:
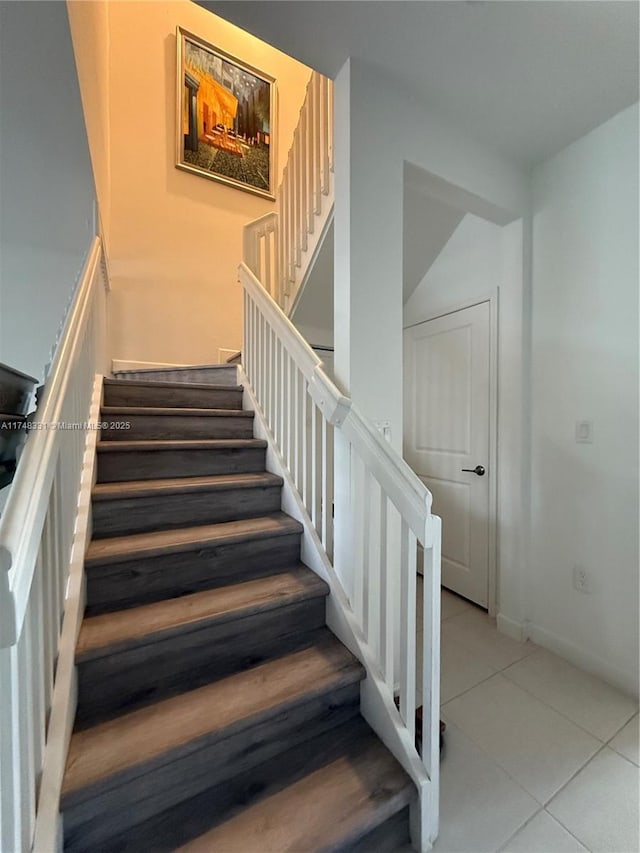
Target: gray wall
{"x":46,"y":181}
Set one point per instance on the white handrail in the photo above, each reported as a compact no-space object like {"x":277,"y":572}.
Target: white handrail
{"x":400,"y":482}
{"x":27,"y":503}
{"x":37,"y":532}
{"x":389,"y":514}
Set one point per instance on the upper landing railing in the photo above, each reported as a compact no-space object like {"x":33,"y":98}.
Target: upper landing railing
{"x":279,"y":247}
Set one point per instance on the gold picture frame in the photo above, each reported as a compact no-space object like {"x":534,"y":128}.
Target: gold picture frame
{"x":225,"y":118}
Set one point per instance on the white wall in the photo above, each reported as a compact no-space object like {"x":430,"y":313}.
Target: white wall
{"x":585,"y":367}
{"x":468,"y":267}
{"x":89,"y":23}
{"x":46,"y":183}
{"x":381,"y":135}
{"x":174,"y":238}
{"x":427,"y":226}
{"x":371,"y":153}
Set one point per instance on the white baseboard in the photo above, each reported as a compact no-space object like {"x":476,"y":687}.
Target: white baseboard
{"x":224,"y":353}
{"x":627,"y":681}
{"x":118,"y":364}
{"x":624,"y":680}
{"x":515,"y":630}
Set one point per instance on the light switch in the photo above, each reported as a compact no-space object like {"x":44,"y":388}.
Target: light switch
{"x":384,"y":427}
{"x":584,"y":432}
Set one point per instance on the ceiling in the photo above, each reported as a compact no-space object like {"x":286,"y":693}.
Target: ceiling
{"x":526,"y":78}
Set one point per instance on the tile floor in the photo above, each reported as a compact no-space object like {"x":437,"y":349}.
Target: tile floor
{"x":540,"y":757}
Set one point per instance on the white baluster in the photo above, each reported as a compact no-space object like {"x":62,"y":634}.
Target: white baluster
{"x":295,"y":202}
{"x":39,"y":676}
{"x":273,"y":260}
{"x":289,"y":412}
{"x":358,"y":511}
{"x":305,"y":402}
{"x":255,"y":347}
{"x":280,"y":402}
{"x":317,"y":144}
{"x":263,"y":361}
{"x":388,"y":622}
{"x":325,"y":136}
{"x":315,"y":485}
{"x":408,"y":568}
{"x":274,"y":384}
{"x":27,"y":734}
{"x":431,"y":649}
{"x":327,"y":488}
{"x":58,"y":538}
{"x":50,"y":631}
{"x":266,"y":354}
{"x":11,"y":794}
{"x":295,"y":425}
{"x":375,"y":497}
{"x":284,"y":228}
{"x":252,"y":343}
{"x":311,"y":133}
{"x":246,"y":320}
{"x":291,"y":216}
{"x":304,"y":149}
{"x":257,"y":360}
{"x":269,"y":375}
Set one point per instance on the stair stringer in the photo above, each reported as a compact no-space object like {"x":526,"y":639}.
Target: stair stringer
{"x":376,"y":703}
{"x":308,"y":257}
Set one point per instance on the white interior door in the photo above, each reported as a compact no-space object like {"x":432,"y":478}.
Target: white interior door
{"x":447,"y":422}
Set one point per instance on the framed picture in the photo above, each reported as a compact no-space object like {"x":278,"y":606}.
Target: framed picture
{"x":225,"y":122}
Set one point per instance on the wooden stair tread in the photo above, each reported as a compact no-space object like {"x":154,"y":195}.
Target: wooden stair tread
{"x":121,"y":548}
{"x":177,"y":485}
{"x":174,"y":411}
{"x":328,"y":809}
{"x":180,"y":444}
{"x":164,"y":383}
{"x":152,"y":736}
{"x":104,"y":634}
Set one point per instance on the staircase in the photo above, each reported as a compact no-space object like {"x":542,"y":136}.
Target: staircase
{"x":215,"y":708}
{"x":216,"y":711}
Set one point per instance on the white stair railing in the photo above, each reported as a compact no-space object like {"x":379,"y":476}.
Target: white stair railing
{"x":39,"y":539}
{"x":279,"y":247}
{"x":309,"y":418}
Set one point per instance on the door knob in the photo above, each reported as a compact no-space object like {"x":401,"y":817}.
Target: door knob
{"x":479,"y":470}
